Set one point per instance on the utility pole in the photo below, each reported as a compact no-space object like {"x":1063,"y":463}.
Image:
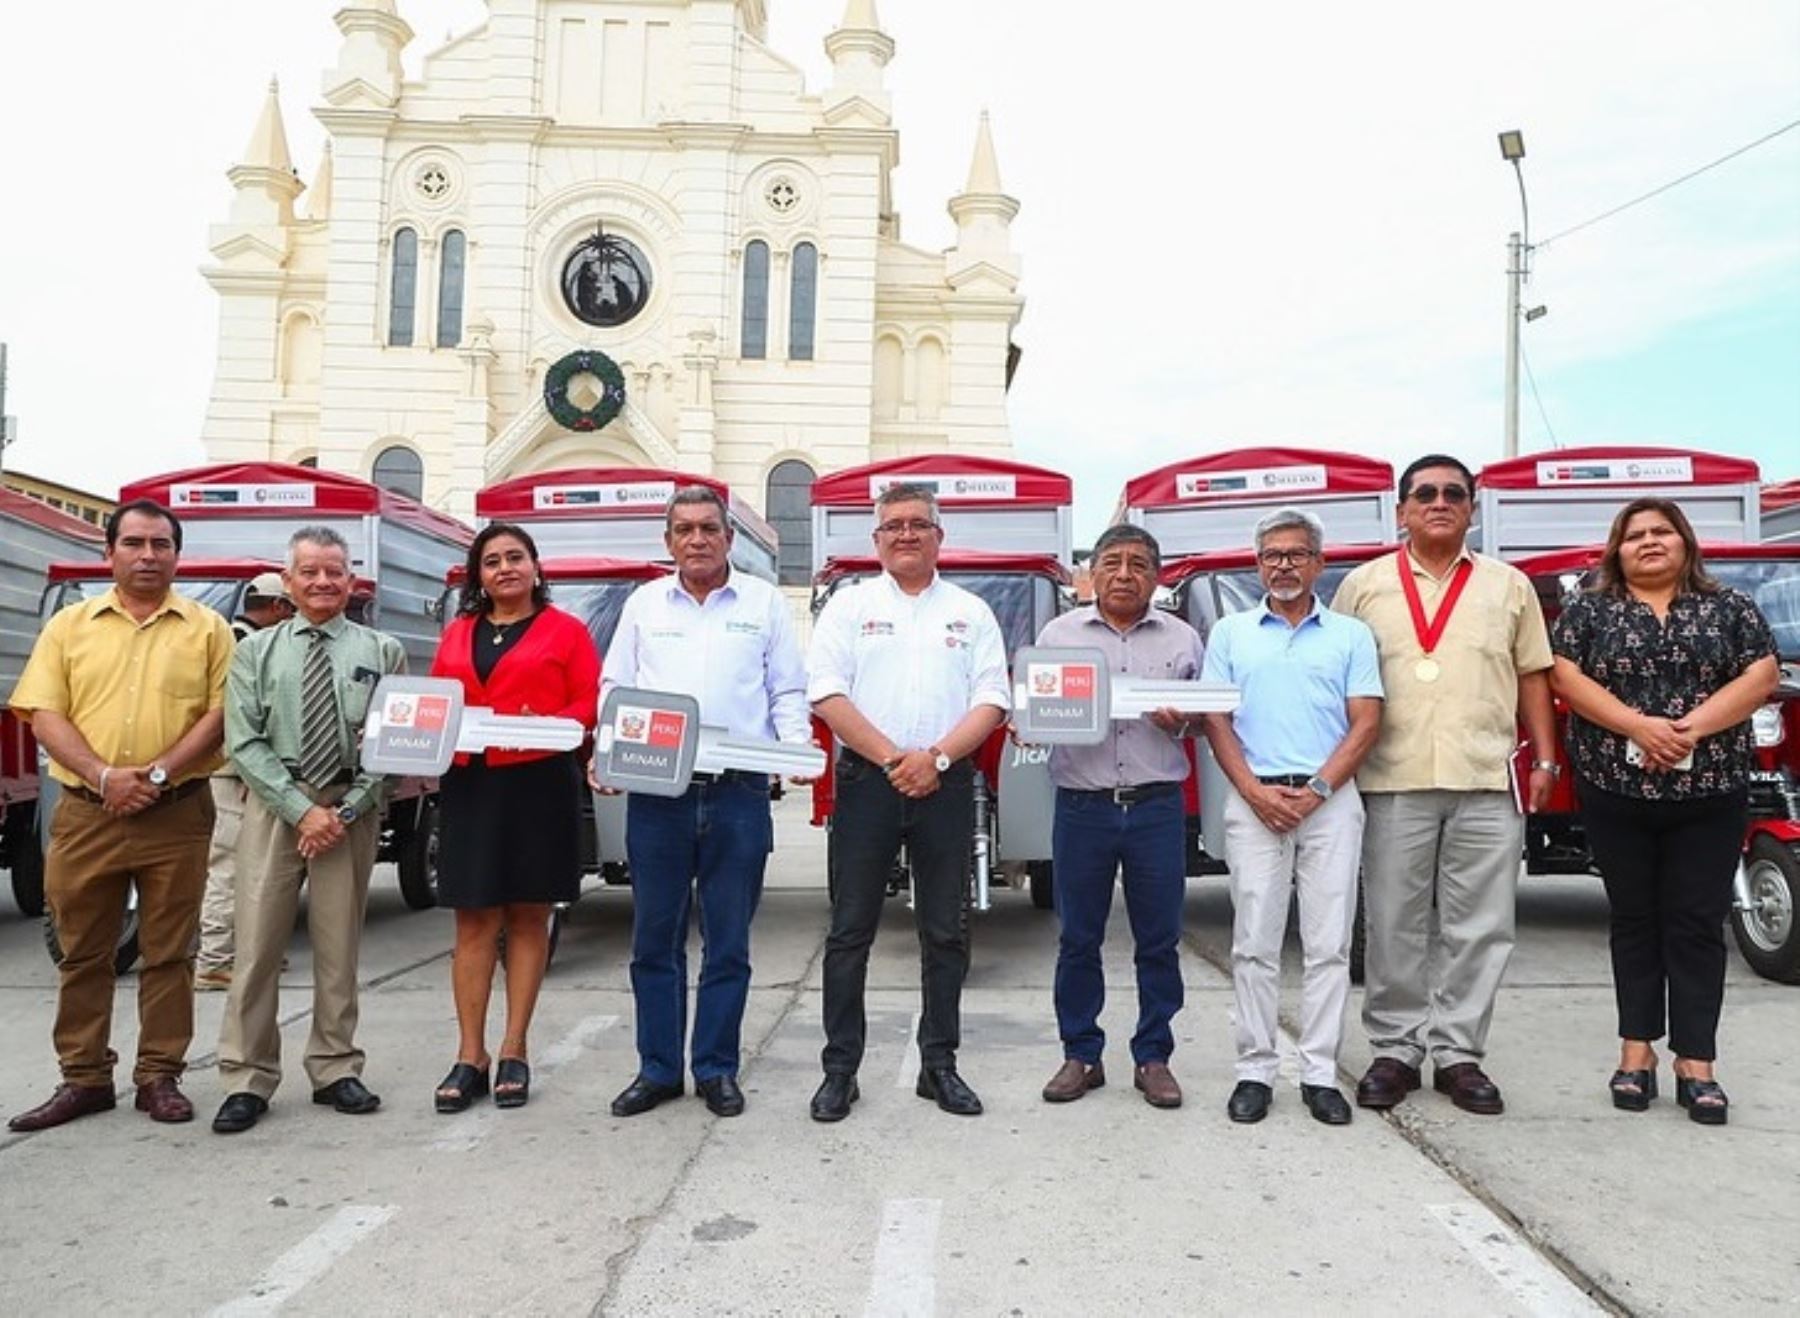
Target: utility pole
{"x":1515,"y":278}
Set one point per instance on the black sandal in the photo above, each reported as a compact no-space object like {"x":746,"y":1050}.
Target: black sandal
{"x":465,"y":1083}
{"x":1704,"y":1099}
{"x":512,"y":1082}
{"x":1632,"y":1090}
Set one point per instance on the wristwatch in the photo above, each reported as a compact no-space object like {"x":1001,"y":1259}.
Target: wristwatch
{"x":1550,"y":767}
{"x":159,"y":776}
{"x":346,"y":813}
{"x":941,"y":760}
{"x":1319,"y":787}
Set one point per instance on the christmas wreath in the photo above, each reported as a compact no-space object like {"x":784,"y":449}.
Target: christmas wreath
{"x":612,"y":390}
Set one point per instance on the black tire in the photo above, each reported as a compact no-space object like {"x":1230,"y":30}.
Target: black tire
{"x":614,"y":874}
{"x":1768,"y":934}
{"x":25,"y":860}
{"x":1042,"y":877}
{"x":416,"y":858}
{"x":1359,"y":935}
{"x":125,"y":955}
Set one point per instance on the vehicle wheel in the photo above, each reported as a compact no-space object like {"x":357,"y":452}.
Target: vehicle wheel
{"x":417,"y":858}
{"x":1768,"y":934}
{"x":125,"y":954}
{"x":25,"y":859}
{"x":1043,"y":884}
{"x":1359,"y":936}
{"x":615,"y":874}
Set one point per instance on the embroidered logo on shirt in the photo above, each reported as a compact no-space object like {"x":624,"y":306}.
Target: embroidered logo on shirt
{"x":877,"y":627}
{"x":740,"y":627}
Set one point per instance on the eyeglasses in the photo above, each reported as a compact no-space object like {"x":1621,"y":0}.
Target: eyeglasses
{"x":918,"y":526}
{"x":1428,"y":494}
{"x":1286,"y":557}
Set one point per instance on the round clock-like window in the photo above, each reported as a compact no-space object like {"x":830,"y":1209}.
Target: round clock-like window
{"x":606,"y":280}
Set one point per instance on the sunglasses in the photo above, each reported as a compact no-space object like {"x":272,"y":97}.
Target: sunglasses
{"x":1428,"y":494}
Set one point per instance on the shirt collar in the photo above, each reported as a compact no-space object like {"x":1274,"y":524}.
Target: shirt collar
{"x":1465,"y":554}
{"x":894,"y":586}
{"x":333,"y":626}
{"x":1153,"y":617}
{"x":675,"y":588}
{"x":1315,"y":614}
{"x":174,"y":602}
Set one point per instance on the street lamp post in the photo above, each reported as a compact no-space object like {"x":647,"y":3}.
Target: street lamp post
{"x":1518,"y":254}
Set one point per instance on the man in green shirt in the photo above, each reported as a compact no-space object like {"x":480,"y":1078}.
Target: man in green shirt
{"x":294,"y":703}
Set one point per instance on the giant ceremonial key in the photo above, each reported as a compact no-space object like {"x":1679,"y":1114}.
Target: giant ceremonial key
{"x":653,"y":742}
{"x":416,"y":725}
{"x":1066,"y":696}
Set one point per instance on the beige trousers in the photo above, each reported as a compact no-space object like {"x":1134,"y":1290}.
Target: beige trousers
{"x":217,"y":946}
{"x":270,"y":873}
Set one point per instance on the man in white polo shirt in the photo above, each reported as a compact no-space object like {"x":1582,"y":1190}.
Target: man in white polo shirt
{"x":909,"y":672}
{"x":725,"y":638}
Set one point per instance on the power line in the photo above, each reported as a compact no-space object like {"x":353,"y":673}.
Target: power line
{"x":1538,"y":398}
{"x":1657,"y":192}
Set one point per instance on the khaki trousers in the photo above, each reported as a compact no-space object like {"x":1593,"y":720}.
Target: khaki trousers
{"x":1317,"y":862}
{"x":1440,"y":874}
{"x":216,"y":941}
{"x":270,"y":874}
{"x":94,"y":860}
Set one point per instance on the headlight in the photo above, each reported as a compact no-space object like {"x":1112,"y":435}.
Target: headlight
{"x":1765,"y":724}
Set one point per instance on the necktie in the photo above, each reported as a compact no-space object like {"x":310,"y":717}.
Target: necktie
{"x":319,"y":750}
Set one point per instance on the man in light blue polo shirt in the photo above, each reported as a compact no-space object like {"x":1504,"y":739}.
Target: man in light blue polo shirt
{"x":1310,"y":712}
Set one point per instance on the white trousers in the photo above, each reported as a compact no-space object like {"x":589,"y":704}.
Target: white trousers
{"x":1319,"y":861}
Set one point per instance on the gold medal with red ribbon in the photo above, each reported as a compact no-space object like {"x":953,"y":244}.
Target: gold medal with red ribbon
{"x":1429,"y":634}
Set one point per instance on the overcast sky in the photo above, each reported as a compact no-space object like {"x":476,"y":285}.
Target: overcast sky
{"x":1242,"y":223}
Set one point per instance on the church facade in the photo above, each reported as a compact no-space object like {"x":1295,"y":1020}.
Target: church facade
{"x":603,"y":232}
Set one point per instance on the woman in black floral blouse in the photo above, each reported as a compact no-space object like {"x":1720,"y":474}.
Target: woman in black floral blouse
{"x":1662,"y":668}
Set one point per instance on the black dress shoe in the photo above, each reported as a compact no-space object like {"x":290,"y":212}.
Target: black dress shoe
{"x":946,"y":1088}
{"x":1249,"y":1101}
{"x":239,"y":1112}
{"x":348,"y":1095}
{"x":1326,"y":1104}
{"x":641,"y":1095}
{"x":722,"y":1095}
{"x":834,"y":1097}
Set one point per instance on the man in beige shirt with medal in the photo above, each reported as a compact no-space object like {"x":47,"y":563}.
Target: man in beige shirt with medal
{"x":1464,"y":658}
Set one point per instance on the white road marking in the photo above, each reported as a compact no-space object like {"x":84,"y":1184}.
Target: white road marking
{"x":904,"y":1284}
{"x":466,"y":1130}
{"x":311,"y":1259}
{"x":909,"y":1060}
{"x":1521,"y":1271}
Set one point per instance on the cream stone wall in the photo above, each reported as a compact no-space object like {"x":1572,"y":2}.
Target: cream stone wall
{"x":668,"y":122}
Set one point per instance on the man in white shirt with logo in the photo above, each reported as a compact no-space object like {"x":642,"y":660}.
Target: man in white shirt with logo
{"x":726,"y":639}
{"x":909,"y":672}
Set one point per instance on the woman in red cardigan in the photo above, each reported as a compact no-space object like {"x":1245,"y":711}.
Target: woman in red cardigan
{"x":510,"y":840}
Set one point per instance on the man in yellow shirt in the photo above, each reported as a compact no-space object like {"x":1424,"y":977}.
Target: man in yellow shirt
{"x":1465,"y":659}
{"x":126,"y":693}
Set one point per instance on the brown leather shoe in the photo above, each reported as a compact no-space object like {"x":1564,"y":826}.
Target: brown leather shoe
{"x":163,"y":1100}
{"x":1469,"y":1088}
{"x":1157,"y":1083}
{"x":66,"y":1104}
{"x":1073,"y":1080}
{"x":1385,"y":1083}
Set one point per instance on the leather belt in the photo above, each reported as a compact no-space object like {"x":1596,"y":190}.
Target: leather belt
{"x":1286,"y":780}
{"x":730,"y":776}
{"x":343,"y":778}
{"x":1129,"y":795}
{"x":174,"y":793}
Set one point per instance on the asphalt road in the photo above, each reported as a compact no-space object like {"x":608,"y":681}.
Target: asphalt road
{"x":1105,"y":1206}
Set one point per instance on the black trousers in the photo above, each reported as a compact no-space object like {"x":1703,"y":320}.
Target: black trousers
{"x":1668,"y":867}
{"x":867,"y":827}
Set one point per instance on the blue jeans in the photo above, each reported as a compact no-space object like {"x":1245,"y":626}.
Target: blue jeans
{"x":715,"y":838}
{"x":1092,"y":841}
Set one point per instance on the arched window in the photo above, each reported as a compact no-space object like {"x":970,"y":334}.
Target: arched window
{"x":399,"y":469}
{"x":790,"y":513}
{"x":803,"y":302}
{"x":405,"y":289}
{"x":754,"y":340}
{"x":451,"y":267}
